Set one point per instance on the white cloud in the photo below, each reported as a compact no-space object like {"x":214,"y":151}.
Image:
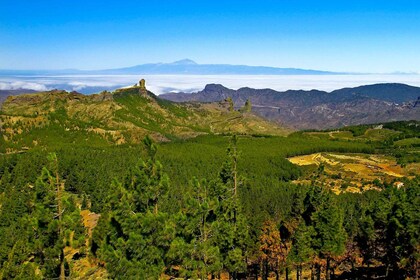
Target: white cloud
{"x":190,"y":83}
{"x":161,"y":84}
{"x":22,"y":85}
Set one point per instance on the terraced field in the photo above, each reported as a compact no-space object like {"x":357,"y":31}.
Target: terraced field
{"x":353,"y":172}
{"x":372,"y":134}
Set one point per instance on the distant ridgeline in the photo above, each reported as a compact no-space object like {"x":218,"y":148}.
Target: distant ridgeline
{"x":299,"y":109}
{"x":122,"y":117}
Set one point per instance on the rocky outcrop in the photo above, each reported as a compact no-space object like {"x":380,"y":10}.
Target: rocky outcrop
{"x":5,"y":93}
{"x":142,"y":88}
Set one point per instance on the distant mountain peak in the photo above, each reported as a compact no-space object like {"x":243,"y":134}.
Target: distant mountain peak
{"x":315,"y":109}
{"x":185,"y":61}
{"x":214,"y":88}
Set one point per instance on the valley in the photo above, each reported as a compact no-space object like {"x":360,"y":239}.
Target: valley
{"x":149,"y":187}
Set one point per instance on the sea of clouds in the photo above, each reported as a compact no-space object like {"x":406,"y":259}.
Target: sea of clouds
{"x":190,"y":83}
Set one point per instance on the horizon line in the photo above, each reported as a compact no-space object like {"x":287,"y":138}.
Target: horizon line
{"x":190,"y":62}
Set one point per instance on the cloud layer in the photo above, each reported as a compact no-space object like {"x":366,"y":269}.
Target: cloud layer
{"x":189,"y":83}
{"x":22,"y":85}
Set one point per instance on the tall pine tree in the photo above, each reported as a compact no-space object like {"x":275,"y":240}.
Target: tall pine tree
{"x":232,"y":229}
{"x":134,"y":236}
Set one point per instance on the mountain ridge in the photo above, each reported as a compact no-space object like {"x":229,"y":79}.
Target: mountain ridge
{"x":125,"y":116}
{"x":5,"y":93}
{"x":314,"y":109}
{"x":184,"y":66}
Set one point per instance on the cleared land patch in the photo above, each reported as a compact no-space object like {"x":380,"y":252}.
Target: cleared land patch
{"x":352,"y":172}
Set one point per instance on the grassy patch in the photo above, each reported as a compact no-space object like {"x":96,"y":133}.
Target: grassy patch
{"x":409,"y":142}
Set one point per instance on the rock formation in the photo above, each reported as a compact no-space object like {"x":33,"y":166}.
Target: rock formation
{"x":142,"y":88}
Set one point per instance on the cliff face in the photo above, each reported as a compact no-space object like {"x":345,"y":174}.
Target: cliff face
{"x":142,"y":88}
{"x":315,"y":109}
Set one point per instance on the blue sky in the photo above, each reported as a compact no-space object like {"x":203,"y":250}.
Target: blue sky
{"x":359,"y":36}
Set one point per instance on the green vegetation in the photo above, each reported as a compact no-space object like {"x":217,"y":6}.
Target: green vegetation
{"x":193,"y":218}
{"x":44,"y":219}
{"x":206,"y":206}
{"x":409,"y":142}
{"x":229,"y":100}
{"x":247,"y":106}
{"x":388,"y":138}
{"x":125,"y":117}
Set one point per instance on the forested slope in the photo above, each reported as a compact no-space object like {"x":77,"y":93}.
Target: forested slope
{"x":80,"y":204}
{"x":123,"y":117}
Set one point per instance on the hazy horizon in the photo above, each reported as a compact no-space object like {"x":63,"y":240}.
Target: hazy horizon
{"x":5,"y":72}
{"x":190,"y":83}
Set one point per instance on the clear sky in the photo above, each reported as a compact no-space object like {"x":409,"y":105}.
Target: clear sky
{"x":360,"y":36}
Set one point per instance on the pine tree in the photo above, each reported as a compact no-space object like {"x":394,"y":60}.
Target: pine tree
{"x":273,"y":252}
{"x":407,"y":220}
{"x":393,"y":219}
{"x":134,"y":235}
{"x":196,"y":251}
{"x":247,"y":107}
{"x":231,"y":105}
{"x":232,"y":229}
{"x":330,"y":237}
{"x":302,"y":251}
{"x":53,"y":217}
{"x":149,"y":183}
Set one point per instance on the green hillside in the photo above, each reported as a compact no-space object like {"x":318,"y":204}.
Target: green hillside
{"x":122,"y":117}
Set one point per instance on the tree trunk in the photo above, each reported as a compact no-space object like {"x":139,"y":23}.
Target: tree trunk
{"x":318,"y":272}
{"x":327,"y":269}
{"x":312,"y":272}
{"x":298,"y":272}
{"x":59,"y":189}
{"x":332,"y":274}
{"x":387,"y":271}
{"x":287,"y":273}
{"x":62,"y":268}
{"x":277,"y":274}
{"x":256,"y":273}
{"x":235,"y":172}
{"x":60,"y":210}
{"x":265,"y":270}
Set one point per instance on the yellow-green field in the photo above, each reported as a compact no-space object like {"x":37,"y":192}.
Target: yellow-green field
{"x":353,"y":172}
{"x":372,"y":134}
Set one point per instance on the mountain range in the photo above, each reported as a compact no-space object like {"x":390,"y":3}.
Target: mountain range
{"x":205,"y":111}
{"x":5,"y":93}
{"x":185,"y":66}
{"x":299,"y":109}
{"x":124,"y":116}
